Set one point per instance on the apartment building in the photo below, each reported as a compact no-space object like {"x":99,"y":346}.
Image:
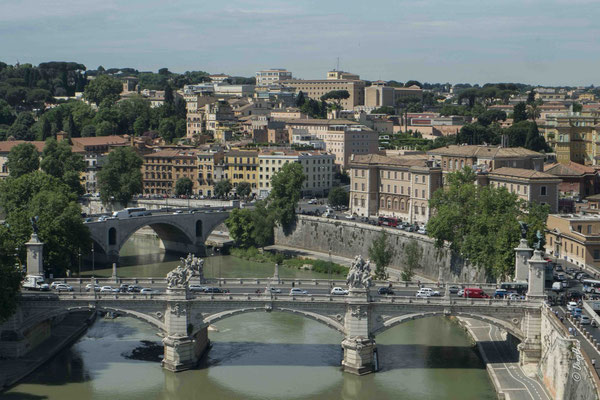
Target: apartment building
{"x":393,"y":186}
{"x":161,"y":170}
{"x":575,"y":238}
{"x":242,"y":166}
{"x":94,"y":151}
{"x":574,"y":136}
{"x":6,"y":147}
{"x":318,"y":169}
{"x":341,"y":75}
{"x":269,"y":76}
{"x":206,"y":166}
{"x":195,"y":106}
{"x":379,"y":95}
{"x":578,"y":181}
{"x":529,"y":185}
{"x":485,"y":158}
{"x":316,"y":88}
{"x":408,"y":92}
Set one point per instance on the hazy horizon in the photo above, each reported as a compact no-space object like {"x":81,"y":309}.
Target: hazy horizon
{"x":536,"y":42}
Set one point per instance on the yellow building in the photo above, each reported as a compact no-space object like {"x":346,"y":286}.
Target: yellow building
{"x":575,"y":238}
{"x":242,"y":166}
{"x":206,"y":163}
{"x":574,"y":137}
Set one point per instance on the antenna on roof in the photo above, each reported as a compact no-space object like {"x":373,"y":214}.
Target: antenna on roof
{"x":337,"y":64}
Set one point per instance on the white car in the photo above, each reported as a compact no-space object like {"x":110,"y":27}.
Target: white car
{"x":273,"y":290}
{"x":338,"y":291}
{"x":53,"y":285}
{"x":585,"y":320}
{"x":461,"y":293}
{"x":427,"y":292}
{"x":195,"y":288}
{"x":571,"y":306}
{"x":108,"y":289}
{"x":63,"y":287}
{"x":148,"y":291}
{"x":298,"y":292}
{"x":312,"y":201}
{"x":89,"y":286}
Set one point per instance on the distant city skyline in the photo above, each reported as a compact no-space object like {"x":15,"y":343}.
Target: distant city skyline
{"x":540,"y":42}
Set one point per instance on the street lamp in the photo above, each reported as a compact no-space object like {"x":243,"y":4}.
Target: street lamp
{"x":93,"y":261}
{"x":79,"y":257}
{"x":329,"y":267}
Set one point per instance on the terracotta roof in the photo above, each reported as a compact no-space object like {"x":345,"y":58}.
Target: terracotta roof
{"x":242,"y":153}
{"x":484,"y":151}
{"x":314,"y":121}
{"x":5,"y":147}
{"x":569,"y":169}
{"x":172,"y":153}
{"x":521,"y":173}
{"x":377,"y":159}
{"x":98,"y":141}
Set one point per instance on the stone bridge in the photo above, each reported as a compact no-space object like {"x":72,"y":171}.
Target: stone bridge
{"x":184,"y":233}
{"x":182,"y":317}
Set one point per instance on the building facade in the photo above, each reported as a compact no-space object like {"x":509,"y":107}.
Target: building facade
{"x":242,"y":166}
{"x":574,"y":136}
{"x":161,"y":170}
{"x":314,"y":89}
{"x":270,"y":76}
{"x":207,"y":162}
{"x":575,"y":238}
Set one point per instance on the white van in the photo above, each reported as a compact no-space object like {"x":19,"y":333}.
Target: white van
{"x":558,"y":286}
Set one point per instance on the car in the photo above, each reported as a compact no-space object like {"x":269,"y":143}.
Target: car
{"x":89,"y":286}
{"x":312,"y":201}
{"x":350,"y":217}
{"x":585,"y":320}
{"x":63,"y":287}
{"x":461,"y":293}
{"x":54,"y":284}
{"x":453,"y":289}
{"x":427,"y":292}
{"x":197,"y":288}
{"x":422,"y":231}
{"x":571,"y":306}
{"x":500,"y":293}
{"x":338,"y":291}
{"x":273,"y":290}
{"x":134,"y":289}
{"x":297,"y":292}
{"x":148,"y":291}
{"x":385,"y":291}
{"x":102,"y":218}
{"x":108,"y":289}
{"x":124,"y":288}
{"x":178,"y":212}
{"x":213,"y":290}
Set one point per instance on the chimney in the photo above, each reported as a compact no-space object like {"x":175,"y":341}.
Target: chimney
{"x":60,"y":136}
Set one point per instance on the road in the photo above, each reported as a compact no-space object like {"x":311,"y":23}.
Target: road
{"x":586,"y":346}
{"x":503,"y":360}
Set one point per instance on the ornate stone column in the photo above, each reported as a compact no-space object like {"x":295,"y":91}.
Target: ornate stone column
{"x":358,"y":345}
{"x":182,"y":351}
{"x":35,"y":256}
{"x":530,"y":349}
{"x":522,"y":254}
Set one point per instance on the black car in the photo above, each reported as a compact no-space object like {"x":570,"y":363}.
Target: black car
{"x":385,"y":291}
{"x":215,"y":290}
{"x":124,"y":288}
{"x":134,"y":289}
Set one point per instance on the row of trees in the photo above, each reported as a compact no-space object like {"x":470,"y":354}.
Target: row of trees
{"x":481,"y":222}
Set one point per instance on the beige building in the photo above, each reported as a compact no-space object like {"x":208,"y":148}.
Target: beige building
{"x":207,"y":162}
{"x":379,"y":95}
{"x":314,"y":89}
{"x":242,"y":166}
{"x":397,"y":187}
{"x":575,"y":238}
{"x":269,"y":76}
{"x":341,"y":75}
{"x":408,"y":92}
{"x":574,"y":136}
{"x":527,"y":184}
{"x":318,"y":168}
{"x":162,"y":169}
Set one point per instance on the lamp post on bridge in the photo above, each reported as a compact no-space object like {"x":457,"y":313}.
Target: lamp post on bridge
{"x":93,"y":261}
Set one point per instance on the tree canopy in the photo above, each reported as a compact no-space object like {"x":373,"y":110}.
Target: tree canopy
{"x":103,"y":88}
{"x":338,"y":197}
{"x":286,"y":186}
{"x":23,"y":159}
{"x":222,"y":188}
{"x":243,"y":189}
{"x":59,"y":161}
{"x":184,"y":186}
{"x":381,"y":253}
{"x":120,"y":178}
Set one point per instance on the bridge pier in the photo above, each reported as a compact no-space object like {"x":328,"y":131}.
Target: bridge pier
{"x":359,"y":346}
{"x":182,"y":350}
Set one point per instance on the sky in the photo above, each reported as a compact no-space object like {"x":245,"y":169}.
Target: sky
{"x":542,"y":42}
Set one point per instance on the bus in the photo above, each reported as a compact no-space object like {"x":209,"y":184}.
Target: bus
{"x":591,"y":286}
{"x":516,"y":287}
{"x":389,"y":221}
{"x":131,"y":212}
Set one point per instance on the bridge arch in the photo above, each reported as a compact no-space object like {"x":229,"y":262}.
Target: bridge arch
{"x":329,"y":322}
{"x":510,"y":327}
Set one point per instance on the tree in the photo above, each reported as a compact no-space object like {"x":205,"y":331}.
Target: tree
{"x":251,"y":227}
{"x":533,"y":111}
{"x":46,"y":131}
{"x":120,"y":178}
{"x":338,"y":197}
{"x":243,"y":189}
{"x":21,"y":128}
{"x":381,"y":254}
{"x":167,"y":130}
{"x":10,"y":282}
{"x":88,"y":131}
{"x":263,"y":223}
{"x":58,"y":160}
{"x":7,"y":116}
{"x":222,"y":188}
{"x":300,"y":100}
{"x":183,"y":186}
{"x":286,"y":186}
{"x":577,"y":107}
{"x":384,"y":110}
{"x":531,"y":97}
{"x":519,"y":112}
{"x":412,"y":259}
{"x":103,"y":88}
{"x":413,"y":83}
{"x":337,"y":96}
{"x":60,"y":224}
{"x":23,"y":159}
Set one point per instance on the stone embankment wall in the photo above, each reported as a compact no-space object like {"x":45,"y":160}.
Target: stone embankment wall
{"x":349,"y":238}
{"x":565,"y":370}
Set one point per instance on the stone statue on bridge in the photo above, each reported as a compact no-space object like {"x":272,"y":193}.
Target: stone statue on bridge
{"x":359,"y":275}
{"x":180,"y":276}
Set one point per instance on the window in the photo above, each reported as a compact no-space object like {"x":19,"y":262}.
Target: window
{"x":543,"y":191}
{"x":589,"y":229}
{"x":596,"y":254}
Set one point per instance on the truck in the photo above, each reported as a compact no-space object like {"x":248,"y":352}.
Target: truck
{"x":35,"y":282}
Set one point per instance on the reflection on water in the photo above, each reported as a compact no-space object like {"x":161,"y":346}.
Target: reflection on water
{"x":266,"y":356}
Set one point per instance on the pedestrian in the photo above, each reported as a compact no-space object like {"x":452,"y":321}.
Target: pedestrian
{"x":594,"y":362}
{"x":570,"y":331}
{"x":562,"y":319}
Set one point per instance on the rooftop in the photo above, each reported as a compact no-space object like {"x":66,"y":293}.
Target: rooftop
{"x":5,"y":147}
{"x":484,"y":151}
{"x":377,"y":159}
{"x":568,"y":169}
{"x":522,"y":173}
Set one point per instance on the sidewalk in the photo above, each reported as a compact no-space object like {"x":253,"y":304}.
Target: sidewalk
{"x":393,"y":273}
{"x":63,"y":334}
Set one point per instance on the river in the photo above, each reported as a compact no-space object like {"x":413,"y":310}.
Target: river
{"x":262,"y":356}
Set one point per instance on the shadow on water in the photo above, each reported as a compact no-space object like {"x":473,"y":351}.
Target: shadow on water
{"x":391,"y":356}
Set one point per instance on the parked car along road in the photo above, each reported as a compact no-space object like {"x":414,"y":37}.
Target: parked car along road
{"x":338,"y":291}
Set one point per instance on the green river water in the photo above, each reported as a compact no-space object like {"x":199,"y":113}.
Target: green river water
{"x":260,"y":356}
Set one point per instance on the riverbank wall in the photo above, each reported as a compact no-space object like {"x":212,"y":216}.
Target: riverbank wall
{"x":62,"y":334}
{"x":349,"y":238}
{"x":566,"y":370}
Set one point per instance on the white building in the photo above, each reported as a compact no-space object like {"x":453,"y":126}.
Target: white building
{"x":318,"y":167}
{"x":270,"y":76}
